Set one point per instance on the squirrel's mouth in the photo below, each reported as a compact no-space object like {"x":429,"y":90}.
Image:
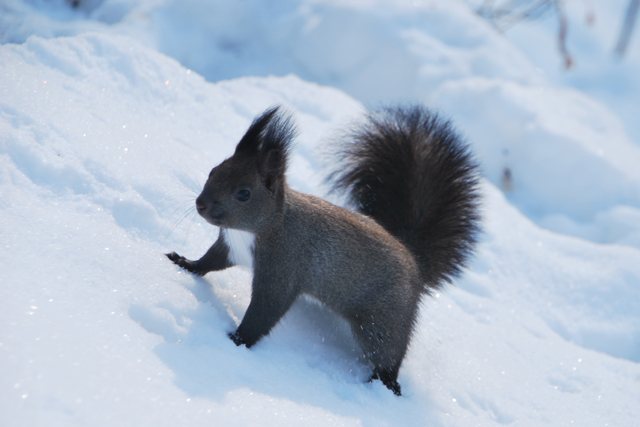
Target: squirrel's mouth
{"x":211,"y":211}
{"x":217,"y":220}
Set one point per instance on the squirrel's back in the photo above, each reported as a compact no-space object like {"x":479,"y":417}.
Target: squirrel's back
{"x":340,"y":250}
{"x":411,"y":172}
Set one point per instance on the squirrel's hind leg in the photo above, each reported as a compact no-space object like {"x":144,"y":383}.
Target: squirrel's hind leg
{"x":384,"y":346}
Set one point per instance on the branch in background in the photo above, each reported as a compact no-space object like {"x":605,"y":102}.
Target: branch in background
{"x":590,"y":15}
{"x":503,"y":15}
{"x":627,"y":27}
{"x":562,"y":34}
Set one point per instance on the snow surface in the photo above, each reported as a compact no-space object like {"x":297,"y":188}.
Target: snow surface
{"x":106,"y":136}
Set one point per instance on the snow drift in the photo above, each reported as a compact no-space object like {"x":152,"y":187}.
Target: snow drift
{"x":105,"y":142}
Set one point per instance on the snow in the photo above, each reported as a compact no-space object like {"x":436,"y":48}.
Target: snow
{"x":111,"y":117}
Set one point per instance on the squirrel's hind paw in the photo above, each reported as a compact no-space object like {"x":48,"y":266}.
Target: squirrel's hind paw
{"x":237,"y":339}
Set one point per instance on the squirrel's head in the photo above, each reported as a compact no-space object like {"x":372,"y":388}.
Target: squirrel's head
{"x":244,"y":191}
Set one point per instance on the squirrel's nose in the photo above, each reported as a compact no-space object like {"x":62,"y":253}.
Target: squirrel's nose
{"x":201,"y":205}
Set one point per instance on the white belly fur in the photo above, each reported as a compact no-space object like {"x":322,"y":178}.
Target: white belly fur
{"x":241,"y":245}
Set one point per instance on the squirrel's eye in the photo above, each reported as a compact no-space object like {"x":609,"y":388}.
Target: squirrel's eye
{"x":243,"y":195}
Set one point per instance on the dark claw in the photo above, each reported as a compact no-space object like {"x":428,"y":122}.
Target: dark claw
{"x":174,"y":257}
{"x":388,"y":382}
{"x":184,"y":263}
{"x":237,"y":339}
{"x":394,"y":387}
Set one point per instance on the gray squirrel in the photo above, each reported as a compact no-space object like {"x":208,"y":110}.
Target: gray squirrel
{"x":413,"y":183}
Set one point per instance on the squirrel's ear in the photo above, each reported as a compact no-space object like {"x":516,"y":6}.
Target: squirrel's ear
{"x":269,"y":140}
{"x":250,"y":142}
{"x":272,"y":168}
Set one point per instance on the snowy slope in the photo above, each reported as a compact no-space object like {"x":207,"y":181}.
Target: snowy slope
{"x":104,"y":144}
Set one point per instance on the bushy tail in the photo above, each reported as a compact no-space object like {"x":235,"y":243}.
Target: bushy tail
{"x":407,"y":169}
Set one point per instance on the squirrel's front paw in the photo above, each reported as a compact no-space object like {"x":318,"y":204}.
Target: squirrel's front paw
{"x":175,"y":257}
{"x":237,"y":339}
{"x":183,"y":262}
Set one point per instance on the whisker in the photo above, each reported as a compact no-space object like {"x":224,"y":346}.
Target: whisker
{"x":188,"y":205}
{"x":186,"y":234}
{"x":188,"y":183}
{"x":190,"y":212}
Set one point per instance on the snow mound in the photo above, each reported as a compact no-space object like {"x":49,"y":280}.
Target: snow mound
{"x":560,"y":157}
{"x":558,"y":169}
{"x":105,"y":142}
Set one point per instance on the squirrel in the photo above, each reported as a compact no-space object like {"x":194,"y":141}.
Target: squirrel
{"x":413,"y":183}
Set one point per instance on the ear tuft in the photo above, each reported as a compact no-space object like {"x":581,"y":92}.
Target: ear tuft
{"x":250,"y":142}
{"x":269,"y":138}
